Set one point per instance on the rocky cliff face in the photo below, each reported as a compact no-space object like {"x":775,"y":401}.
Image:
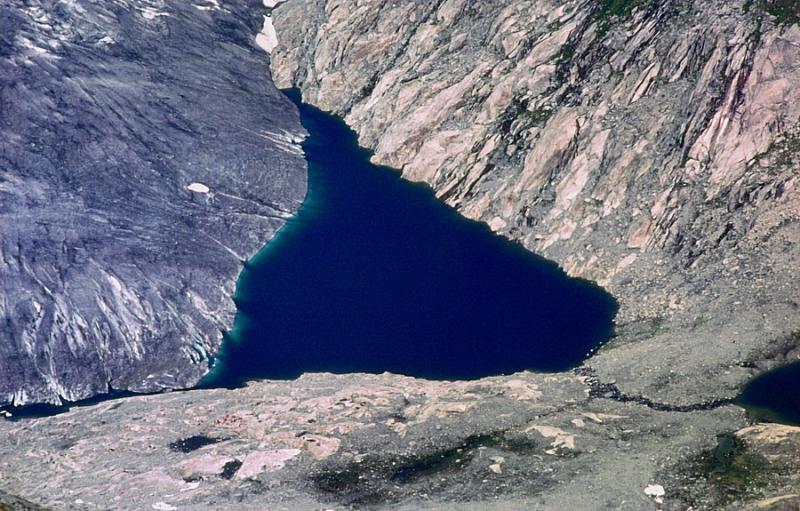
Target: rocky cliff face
{"x":11,"y":503}
{"x":652,"y":146}
{"x":144,"y":153}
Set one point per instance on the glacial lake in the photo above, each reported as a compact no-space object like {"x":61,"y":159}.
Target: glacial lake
{"x":375,"y":274}
{"x":774,"y":396}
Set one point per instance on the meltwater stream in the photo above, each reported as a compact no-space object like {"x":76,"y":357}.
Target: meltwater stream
{"x":374,"y":274}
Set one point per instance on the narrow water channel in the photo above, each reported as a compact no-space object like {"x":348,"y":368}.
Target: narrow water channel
{"x":375,"y":274}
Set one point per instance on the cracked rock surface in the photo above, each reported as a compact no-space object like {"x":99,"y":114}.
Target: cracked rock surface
{"x":532,"y":441}
{"x":144,"y":153}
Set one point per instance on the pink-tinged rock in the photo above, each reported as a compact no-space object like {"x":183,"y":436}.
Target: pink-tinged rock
{"x":265,"y":461}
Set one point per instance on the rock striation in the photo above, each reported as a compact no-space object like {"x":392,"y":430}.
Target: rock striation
{"x":651,"y":146}
{"x":144,"y":154}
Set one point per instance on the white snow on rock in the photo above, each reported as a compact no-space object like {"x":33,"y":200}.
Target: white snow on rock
{"x":214,"y":6}
{"x":271,"y":4}
{"x":198,"y":187}
{"x":289,"y":142}
{"x":656,"y":491}
{"x":150,"y":14}
{"x":267,"y":39}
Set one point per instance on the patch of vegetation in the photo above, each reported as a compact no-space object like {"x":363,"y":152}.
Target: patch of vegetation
{"x":540,"y":115}
{"x":566,"y":53}
{"x":564,"y":62}
{"x":343,"y":480}
{"x":730,"y":473}
{"x":518,"y":109}
{"x":785,"y":12}
{"x":554,"y":25}
{"x":619,"y":8}
{"x":784,"y":150}
{"x":616,"y":76}
{"x":731,"y":470}
{"x":658,"y":326}
{"x":192,"y":443}
{"x":698,"y":322}
{"x":11,"y":503}
{"x":439,"y":461}
{"x":229,"y":469}
{"x":375,"y":480}
{"x":612,"y":11}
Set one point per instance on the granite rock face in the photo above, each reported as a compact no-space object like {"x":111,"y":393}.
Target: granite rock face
{"x":653,"y":147}
{"x":144,"y":153}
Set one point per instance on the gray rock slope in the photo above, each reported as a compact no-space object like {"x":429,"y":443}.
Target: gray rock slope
{"x":114,"y":273}
{"x":11,"y":503}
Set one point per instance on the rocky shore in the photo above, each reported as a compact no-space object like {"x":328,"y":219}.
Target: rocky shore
{"x":526,"y":441}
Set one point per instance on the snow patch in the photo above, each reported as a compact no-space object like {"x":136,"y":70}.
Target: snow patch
{"x":656,"y":491}
{"x":213,"y":7}
{"x":267,"y":39}
{"x":198,"y":187}
{"x":35,"y":48}
{"x":289,"y":142}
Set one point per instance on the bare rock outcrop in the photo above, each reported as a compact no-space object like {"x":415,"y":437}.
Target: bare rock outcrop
{"x":144,"y":153}
{"x":650,"y":146}
{"x":525,"y":441}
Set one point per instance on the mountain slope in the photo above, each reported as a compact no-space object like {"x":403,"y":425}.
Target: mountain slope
{"x":144,"y":153}
{"x":653,"y":147}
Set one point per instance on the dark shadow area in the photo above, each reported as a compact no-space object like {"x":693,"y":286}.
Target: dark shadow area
{"x":44,"y":410}
{"x":774,"y":396}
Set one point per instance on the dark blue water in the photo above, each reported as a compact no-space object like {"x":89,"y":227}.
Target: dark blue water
{"x":46,"y":410}
{"x":775,"y":395}
{"x":374,"y":274}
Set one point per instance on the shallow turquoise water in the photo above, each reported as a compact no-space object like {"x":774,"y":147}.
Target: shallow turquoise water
{"x":375,"y":274}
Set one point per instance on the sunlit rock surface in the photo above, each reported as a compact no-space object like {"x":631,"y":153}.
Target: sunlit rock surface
{"x":144,"y":152}
{"x":653,"y":147}
{"x":526,"y":441}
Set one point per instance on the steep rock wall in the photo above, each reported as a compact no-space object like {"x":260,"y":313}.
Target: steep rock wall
{"x":144,"y":153}
{"x":650,"y":146}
